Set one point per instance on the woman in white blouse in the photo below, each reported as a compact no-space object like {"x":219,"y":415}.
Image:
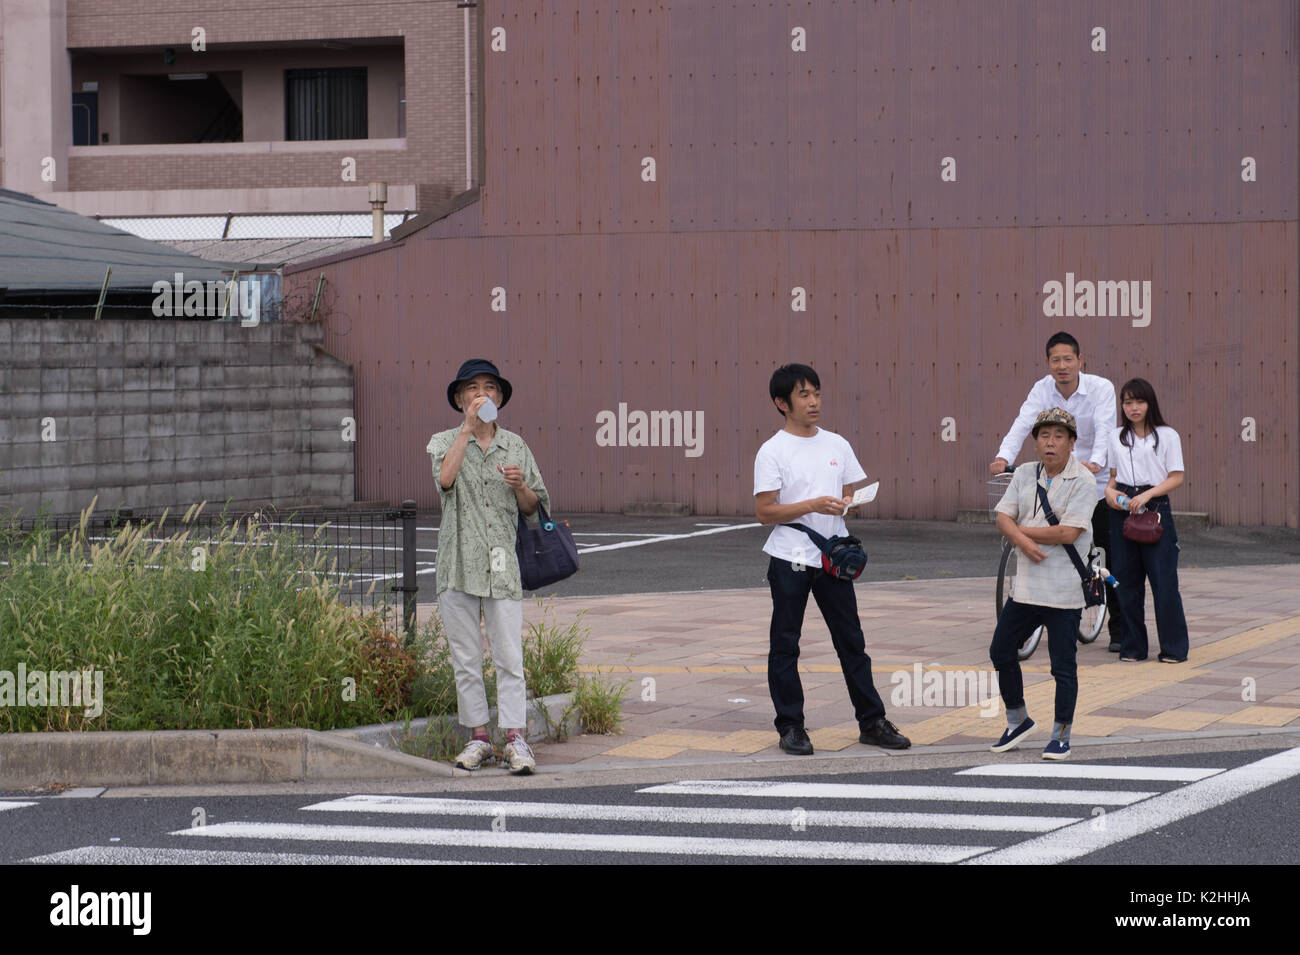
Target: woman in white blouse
{"x":1146,"y":462}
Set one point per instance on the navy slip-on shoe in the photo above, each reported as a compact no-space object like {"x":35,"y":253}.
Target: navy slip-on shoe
{"x":1057,"y":749}
{"x":1011,"y":738}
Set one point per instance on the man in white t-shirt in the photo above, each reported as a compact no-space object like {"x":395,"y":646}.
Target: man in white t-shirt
{"x":803,"y":474}
{"x":1090,"y":399}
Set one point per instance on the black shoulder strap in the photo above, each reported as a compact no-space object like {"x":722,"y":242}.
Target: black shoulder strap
{"x":821,"y":542}
{"x":1054,"y":520}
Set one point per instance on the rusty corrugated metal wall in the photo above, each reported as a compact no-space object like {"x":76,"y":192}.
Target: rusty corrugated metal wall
{"x":821,"y":169}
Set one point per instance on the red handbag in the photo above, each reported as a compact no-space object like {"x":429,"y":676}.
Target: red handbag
{"x":1143,"y":528}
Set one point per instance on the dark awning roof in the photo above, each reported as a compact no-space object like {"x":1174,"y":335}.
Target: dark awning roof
{"x":46,"y":248}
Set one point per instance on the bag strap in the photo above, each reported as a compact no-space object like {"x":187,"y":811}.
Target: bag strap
{"x":543,"y":518}
{"x":1052,"y":519}
{"x":821,"y":542}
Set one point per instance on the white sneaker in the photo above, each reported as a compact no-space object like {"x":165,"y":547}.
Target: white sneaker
{"x":475,"y":754}
{"x":518,"y":757}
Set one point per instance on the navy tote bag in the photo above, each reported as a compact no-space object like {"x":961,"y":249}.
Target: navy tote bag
{"x":546,"y":550}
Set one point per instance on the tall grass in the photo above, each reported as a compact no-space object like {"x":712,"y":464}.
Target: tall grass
{"x":236,"y":627}
{"x":242,"y":630}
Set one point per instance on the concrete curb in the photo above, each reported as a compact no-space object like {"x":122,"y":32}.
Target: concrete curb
{"x":180,"y":757}
{"x":544,"y":713}
{"x":783,"y":764}
{"x":207,"y":757}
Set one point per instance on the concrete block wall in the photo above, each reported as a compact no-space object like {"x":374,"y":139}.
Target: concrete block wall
{"x":159,"y":413}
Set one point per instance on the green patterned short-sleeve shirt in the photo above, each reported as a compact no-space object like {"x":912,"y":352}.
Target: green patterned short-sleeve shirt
{"x":476,"y":537}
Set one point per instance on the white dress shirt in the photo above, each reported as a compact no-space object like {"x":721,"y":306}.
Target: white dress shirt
{"x":1095,"y":412}
{"x":1144,"y":463}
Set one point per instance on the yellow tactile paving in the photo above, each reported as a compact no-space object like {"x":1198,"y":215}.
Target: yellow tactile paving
{"x":1085,"y":725}
{"x":643,"y":750}
{"x":688,"y":740}
{"x":834,"y":738}
{"x":1250,"y":640}
{"x":745,"y":741}
{"x":951,"y":724}
{"x":1180,"y":720}
{"x":1264,"y":716}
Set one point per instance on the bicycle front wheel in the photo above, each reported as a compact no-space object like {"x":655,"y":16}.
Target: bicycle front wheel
{"x":1007,"y":573}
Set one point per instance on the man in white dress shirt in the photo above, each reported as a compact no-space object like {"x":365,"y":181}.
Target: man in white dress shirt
{"x":1091,"y":400}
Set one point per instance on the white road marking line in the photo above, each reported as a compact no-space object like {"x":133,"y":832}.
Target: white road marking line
{"x":593,"y":842}
{"x":14,"y":805}
{"x":723,"y":787}
{"x":1082,"y":838}
{"x":1086,"y":771}
{"x":669,"y":537}
{"x":486,"y":808}
{"x":127,"y":855}
{"x":615,"y":534}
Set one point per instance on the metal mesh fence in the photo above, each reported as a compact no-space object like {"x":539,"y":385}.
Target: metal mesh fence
{"x":326,"y":225}
{"x":369,"y":555}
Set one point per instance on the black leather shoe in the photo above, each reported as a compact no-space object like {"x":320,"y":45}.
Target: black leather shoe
{"x":884,"y":733}
{"x":796,"y":742}
{"x":1115,"y":646}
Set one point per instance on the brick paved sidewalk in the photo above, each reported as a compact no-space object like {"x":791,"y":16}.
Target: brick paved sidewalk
{"x":696,"y":666}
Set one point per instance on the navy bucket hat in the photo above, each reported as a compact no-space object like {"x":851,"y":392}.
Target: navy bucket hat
{"x":477,"y":366}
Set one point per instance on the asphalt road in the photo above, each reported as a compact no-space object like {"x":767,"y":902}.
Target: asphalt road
{"x":716,"y":559}
{"x":1187,"y":804}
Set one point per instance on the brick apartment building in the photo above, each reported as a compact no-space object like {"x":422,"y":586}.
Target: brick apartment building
{"x":125,"y":108}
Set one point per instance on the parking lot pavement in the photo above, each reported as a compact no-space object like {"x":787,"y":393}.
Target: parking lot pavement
{"x":620,"y":554}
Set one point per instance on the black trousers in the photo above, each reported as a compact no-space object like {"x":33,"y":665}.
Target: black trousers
{"x":1015,"y":624}
{"x":1101,"y":538}
{"x":839,"y":607}
{"x":1134,"y":565}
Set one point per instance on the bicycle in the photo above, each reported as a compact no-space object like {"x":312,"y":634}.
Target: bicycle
{"x":1092,"y":619}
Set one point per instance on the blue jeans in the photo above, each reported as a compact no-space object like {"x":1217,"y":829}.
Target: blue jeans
{"x":1015,"y":625}
{"x":1133,"y":565}
{"x":839,"y":607}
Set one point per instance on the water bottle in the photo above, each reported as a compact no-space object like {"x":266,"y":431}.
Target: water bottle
{"x":487,"y":411}
{"x":1123,"y":502}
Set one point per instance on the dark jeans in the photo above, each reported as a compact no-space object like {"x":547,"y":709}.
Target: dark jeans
{"x":1015,"y":625}
{"x":839,"y":607}
{"x":1133,"y":564}
{"x":1101,"y":538}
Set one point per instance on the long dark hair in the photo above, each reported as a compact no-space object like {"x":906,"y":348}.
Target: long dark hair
{"x":1141,"y":390}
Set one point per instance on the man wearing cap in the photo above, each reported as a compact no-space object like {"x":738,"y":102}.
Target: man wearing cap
{"x":486,"y":477}
{"x":1046,"y":590}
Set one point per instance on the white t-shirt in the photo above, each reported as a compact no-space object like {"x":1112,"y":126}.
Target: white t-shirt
{"x":1148,"y":464}
{"x":799,"y":469}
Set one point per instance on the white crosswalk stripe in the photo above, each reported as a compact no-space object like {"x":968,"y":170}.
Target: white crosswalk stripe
{"x":594,"y":842}
{"x":684,"y":815}
{"x":1085,"y":771}
{"x":4,"y":804}
{"x":131,"y":855}
{"x":980,"y":794}
{"x":701,"y":819}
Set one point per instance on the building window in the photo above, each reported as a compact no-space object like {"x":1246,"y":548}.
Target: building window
{"x":325,"y":104}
